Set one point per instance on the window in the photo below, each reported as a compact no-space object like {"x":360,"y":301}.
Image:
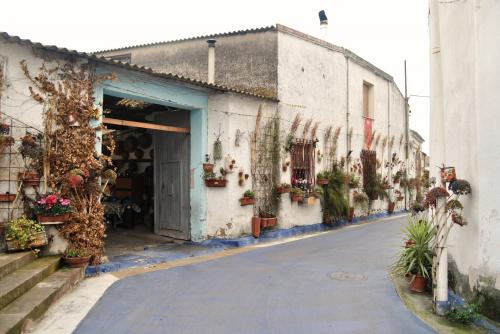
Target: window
{"x":124,"y":58}
{"x":302,"y":163}
{"x":367,"y":100}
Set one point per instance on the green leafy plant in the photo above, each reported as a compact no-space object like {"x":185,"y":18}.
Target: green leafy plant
{"x":360,"y":199}
{"x":375,"y":188}
{"x":297,"y":191}
{"x":353,"y":180}
{"x":75,"y":252}
{"x":24,"y":231}
{"x":318,"y":192}
{"x":322,"y":175}
{"x":465,"y":315}
{"x":335,"y":202}
{"x":416,"y":257}
{"x":249,"y":193}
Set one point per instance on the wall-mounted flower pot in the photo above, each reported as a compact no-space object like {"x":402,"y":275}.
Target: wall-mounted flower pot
{"x":30,"y":178}
{"x":296,"y":198}
{"x":268,"y":222}
{"x":7,"y":197}
{"x":76,"y":262}
{"x":208,"y":167}
{"x":351,"y":214}
{"x":215,"y":183}
{"x":52,"y":220}
{"x":322,"y":182}
{"x":418,"y":284}
{"x":247,"y":201}
{"x":283,"y":190}
{"x":40,"y":240}
{"x":390,"y":207}
{"x":256,"y":226}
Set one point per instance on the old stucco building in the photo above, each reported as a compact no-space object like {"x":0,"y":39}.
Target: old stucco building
{"x":309,"y":76}
{"x":465,"y":81}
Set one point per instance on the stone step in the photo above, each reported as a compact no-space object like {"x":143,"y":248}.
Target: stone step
{"x":33,"y":304}
{"x":18,"y":282}
{"x":11,"y":262}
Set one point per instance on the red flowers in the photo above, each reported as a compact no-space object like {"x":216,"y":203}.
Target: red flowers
{"x":52,"y":205}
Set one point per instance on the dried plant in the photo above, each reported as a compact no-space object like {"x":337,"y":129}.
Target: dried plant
{"x":314,"y":130}
{"x":253,"y":140}
{"x":401,"y":140}
{"x":295,"y":124}
{"x":391,"y":143}
{"x":328,"y":133}
{"x":307,"y":126}
{"x":377,"y":140}
{"x":66,"y":91}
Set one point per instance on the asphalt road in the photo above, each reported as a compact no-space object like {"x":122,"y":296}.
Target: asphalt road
{"x":336,"y":282}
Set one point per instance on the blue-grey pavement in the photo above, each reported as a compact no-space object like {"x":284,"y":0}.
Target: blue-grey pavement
{"x":336,"y":282}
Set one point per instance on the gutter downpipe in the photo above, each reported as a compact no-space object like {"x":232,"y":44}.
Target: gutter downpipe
{"x":348,"y":144}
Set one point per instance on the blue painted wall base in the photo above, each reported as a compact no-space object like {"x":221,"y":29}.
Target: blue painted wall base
{"x":455,"y":300}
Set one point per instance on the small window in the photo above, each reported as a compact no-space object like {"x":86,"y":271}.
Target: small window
{"x":367,"y":100}
{"x":124,"y":58}
{"x":302,"y":163}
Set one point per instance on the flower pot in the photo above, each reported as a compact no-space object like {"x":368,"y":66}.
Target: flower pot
{"x":327,"y":219}
{"x":296,"y":198}
{"x":256,"y":226}
{"x":208,"y":167}
{"x":215,"y":183}
{"x":390,"y":208}
{"x":351,"y":214}
{"x":30,"y":178}
{"x":418,"y":284}
{"x":322,"y":182}
{"x":40,"y":240}
{"x":268,"y":222}
{"x":247,"y":201}
{"x":51,"y":220}
{"x":283,"y":190}
{"x":409,"y":243}
{"x":7,"y":197}
{"x":76,"y":262}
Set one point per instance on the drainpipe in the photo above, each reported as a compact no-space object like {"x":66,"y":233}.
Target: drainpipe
{"x":389,"y":151}
{"x":407,"y":140}
{"x":440,"y":287}
{"x":348,"y":144}
{"x":211,"y":61}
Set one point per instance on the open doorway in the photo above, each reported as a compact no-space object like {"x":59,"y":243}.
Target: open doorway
{"x":149,"y":203}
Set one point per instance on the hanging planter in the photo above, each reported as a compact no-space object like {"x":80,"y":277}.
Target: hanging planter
{"x":52,"y":220}
{"x":30,"y":178}
{"x":448,"y":174}
{"x":248,"y":198}
{"x":52,"y":209}
{"x":7,"y":197}
{"x":216,"y":183}
{"x":322,"y":182}
{"x":268,"y":222}
{"x":207,"y":167}
{"x":296,"y":194}
{"x":256,"y":226}
{"x":283,"y":189}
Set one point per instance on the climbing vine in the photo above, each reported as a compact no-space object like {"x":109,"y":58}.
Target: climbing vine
{"x":70,"y":140}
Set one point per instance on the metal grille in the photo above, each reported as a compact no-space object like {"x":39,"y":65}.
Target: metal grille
{"x":302,"y":161}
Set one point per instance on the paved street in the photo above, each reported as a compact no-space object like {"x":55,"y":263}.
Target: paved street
{"x":336,"y":282}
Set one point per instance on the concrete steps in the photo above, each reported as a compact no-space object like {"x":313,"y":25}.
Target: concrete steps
{"x":28,"y":286}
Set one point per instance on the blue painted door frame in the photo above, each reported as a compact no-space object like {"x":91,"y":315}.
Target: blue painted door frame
{"x":148,"y":88}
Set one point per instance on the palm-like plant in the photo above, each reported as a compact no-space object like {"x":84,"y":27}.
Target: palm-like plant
{"x":416,"y":257}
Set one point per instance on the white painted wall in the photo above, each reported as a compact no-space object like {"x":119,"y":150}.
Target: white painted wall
{"x":465,"y":81}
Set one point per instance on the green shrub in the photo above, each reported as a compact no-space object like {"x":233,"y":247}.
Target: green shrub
{"x":249,"y":193}
{"x":24,"y":231}
{"x":464,"y":315}
{"x":335,"y":202}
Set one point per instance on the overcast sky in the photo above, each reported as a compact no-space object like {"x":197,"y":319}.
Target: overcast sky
{"x":384,"y":32}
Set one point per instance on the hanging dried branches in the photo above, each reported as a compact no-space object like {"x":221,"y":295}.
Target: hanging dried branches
{"x":391,"y":143}
{"x":253,"y":140}
{"x":377,"y":140}
{"x":295,"y":124}
{"x":66,"y":91}
{"x":307,"y":126}
{"x":314,"y":130}
{"x":328,"y":133}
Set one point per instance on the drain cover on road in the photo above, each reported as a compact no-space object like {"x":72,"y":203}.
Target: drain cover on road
{"x":344,"y":276}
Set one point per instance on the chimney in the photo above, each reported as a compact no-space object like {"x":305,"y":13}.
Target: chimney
{"x":323,"y":24}
{"x":211,"y":60}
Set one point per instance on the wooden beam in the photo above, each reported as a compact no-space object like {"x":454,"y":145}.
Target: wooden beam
{"x":143,"y":125}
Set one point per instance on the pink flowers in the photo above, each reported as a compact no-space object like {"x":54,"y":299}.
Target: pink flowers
{"x":52,"y":205}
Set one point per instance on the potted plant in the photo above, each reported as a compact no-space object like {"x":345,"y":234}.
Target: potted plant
{"x":360,"y":200}
{"x":283,"y":188}
{"x":207,"y":166}
{"x":6,"y":141}
{"x":390,"y":207}
{"x":415,"y":257}
{"x":7,"y":197}
{"x":52,"y":209}
{"x":353,"y":181}
{"x":29,"y":178}
{"x":76,"y":258}
{"x":256,"y":226}
{"x":397,"y":176}
{"x":211,"y":180}
{"x":4,"y":128}
{"x":31,"y":150}
{"x":24,"y":233}
{"x":322,"y":179}
{"x":267,"y":219}
{"x":248,"y":198}
{"x":296,"y":194}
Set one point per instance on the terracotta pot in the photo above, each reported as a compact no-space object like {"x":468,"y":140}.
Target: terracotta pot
{"x":247,"y":201}
{"x":52,"y":219}
{"x":215,"y":183}
{"x":40,"y":241}
{"x":29,"y":178}
{"x":409,"y":243}
{"x":351,"y":214}
{"x":390,"y":208}
{"x":327,"y":219}
{"x":296,"y":198}
{"x":418,"y":284}
{"x":256,"y":226}
{"x":322,"y":182}
{"x":268,"y":222}
{"x":208,"y":167}
{"x":76,"y":262}
{"x":7,"y":197}
{"x":283,"y":190}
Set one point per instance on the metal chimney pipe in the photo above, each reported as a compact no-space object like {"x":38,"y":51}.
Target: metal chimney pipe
{"x":211,"y":60}
{"x":323,"y":24}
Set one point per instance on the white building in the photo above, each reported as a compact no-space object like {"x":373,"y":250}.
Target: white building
{"x":465,"y":81}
